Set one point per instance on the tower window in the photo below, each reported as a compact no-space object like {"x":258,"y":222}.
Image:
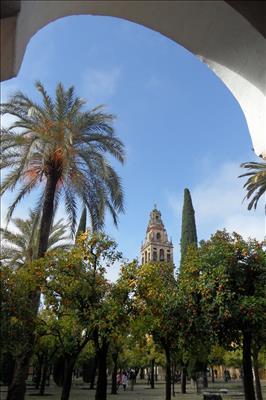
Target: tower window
{"x":158,"y":236}
{"x":168,"y":258}
{"x":161,"y":254}
{"x":154,"y":256}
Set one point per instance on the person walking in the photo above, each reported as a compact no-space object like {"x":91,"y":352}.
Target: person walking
{"x":118,"y":380}
{"x":124,"y":380}
{"x":132,"y":378}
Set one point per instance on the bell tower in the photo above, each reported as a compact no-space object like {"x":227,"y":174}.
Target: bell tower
{"x":156,"y":246}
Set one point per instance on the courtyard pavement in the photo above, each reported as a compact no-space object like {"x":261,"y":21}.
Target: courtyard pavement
{"x":80,"y":391}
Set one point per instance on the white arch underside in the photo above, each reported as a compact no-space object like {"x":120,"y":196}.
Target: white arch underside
{"x":213,"y":31}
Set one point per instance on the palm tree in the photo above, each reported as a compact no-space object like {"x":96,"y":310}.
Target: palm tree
{"x":62,"y":148}
{"x":256,"y":184}
{"x":20,"y":246}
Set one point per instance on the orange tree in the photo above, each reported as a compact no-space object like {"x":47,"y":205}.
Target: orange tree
{"x":155,"y":294}
{"x":74,"y":291}
{"x":17,"y":316}
{"x":45,"y":350}
{"x":111,"y":320}
{"x":82,"y":304}
{"x":231,"y":276}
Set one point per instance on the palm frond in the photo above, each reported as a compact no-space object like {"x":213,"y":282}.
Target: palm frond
{"x":26,"y":189}
{"x":48,"y":103}
{"x":256,"y":183}
{"x":57,"y":138}
{"x":71,"y":207}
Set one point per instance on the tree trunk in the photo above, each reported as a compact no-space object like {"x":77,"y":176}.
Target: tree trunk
{"x":205,"y":377}
{"x":256,"y":373}
{"x":68,"y":371}
{"x":44,"y":376}
{"x":212,"y":371}
{"x":7,"y":368}
{"x":39,"y":371}
{"x":93,"y":374}
{"x":17,"y":388}
{"x":114,"y":373}
{"x":101,"y":389}
{"x":47,"y":214}
{"x":184,"y":380}
{"x":168,"y":373}
{"x":247,"y":367}
{"x":173,"y":378}
{"x":152,"y":373}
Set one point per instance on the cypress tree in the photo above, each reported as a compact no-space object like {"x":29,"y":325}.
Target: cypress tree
{"x":189,"y":231}
{"x":82,"y":223}
{"x":188,"y":237}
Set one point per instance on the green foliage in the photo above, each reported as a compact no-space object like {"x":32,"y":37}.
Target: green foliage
{"x":155,"y":299}
{"x":230,"y":285}
{"x":138,"y":350}
{"x":217,"y":355}
{"x":18,"y":316}
{"x":233,"y":358}
{"x":76,"y":290}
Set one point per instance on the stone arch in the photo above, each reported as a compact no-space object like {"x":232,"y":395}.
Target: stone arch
{"x":225,"y":35}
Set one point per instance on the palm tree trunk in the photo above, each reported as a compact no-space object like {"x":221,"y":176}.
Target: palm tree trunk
{"x":256,"y":373}
{"x":247,"y":367}
{"x":47,"y":214}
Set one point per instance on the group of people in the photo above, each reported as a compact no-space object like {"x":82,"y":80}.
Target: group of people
{"x":125,"y":377}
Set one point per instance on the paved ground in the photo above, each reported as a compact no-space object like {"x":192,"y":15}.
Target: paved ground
{"x":141,"y":392}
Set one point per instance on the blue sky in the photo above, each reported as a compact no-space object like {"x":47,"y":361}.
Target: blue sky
{"x":180,"y":125}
